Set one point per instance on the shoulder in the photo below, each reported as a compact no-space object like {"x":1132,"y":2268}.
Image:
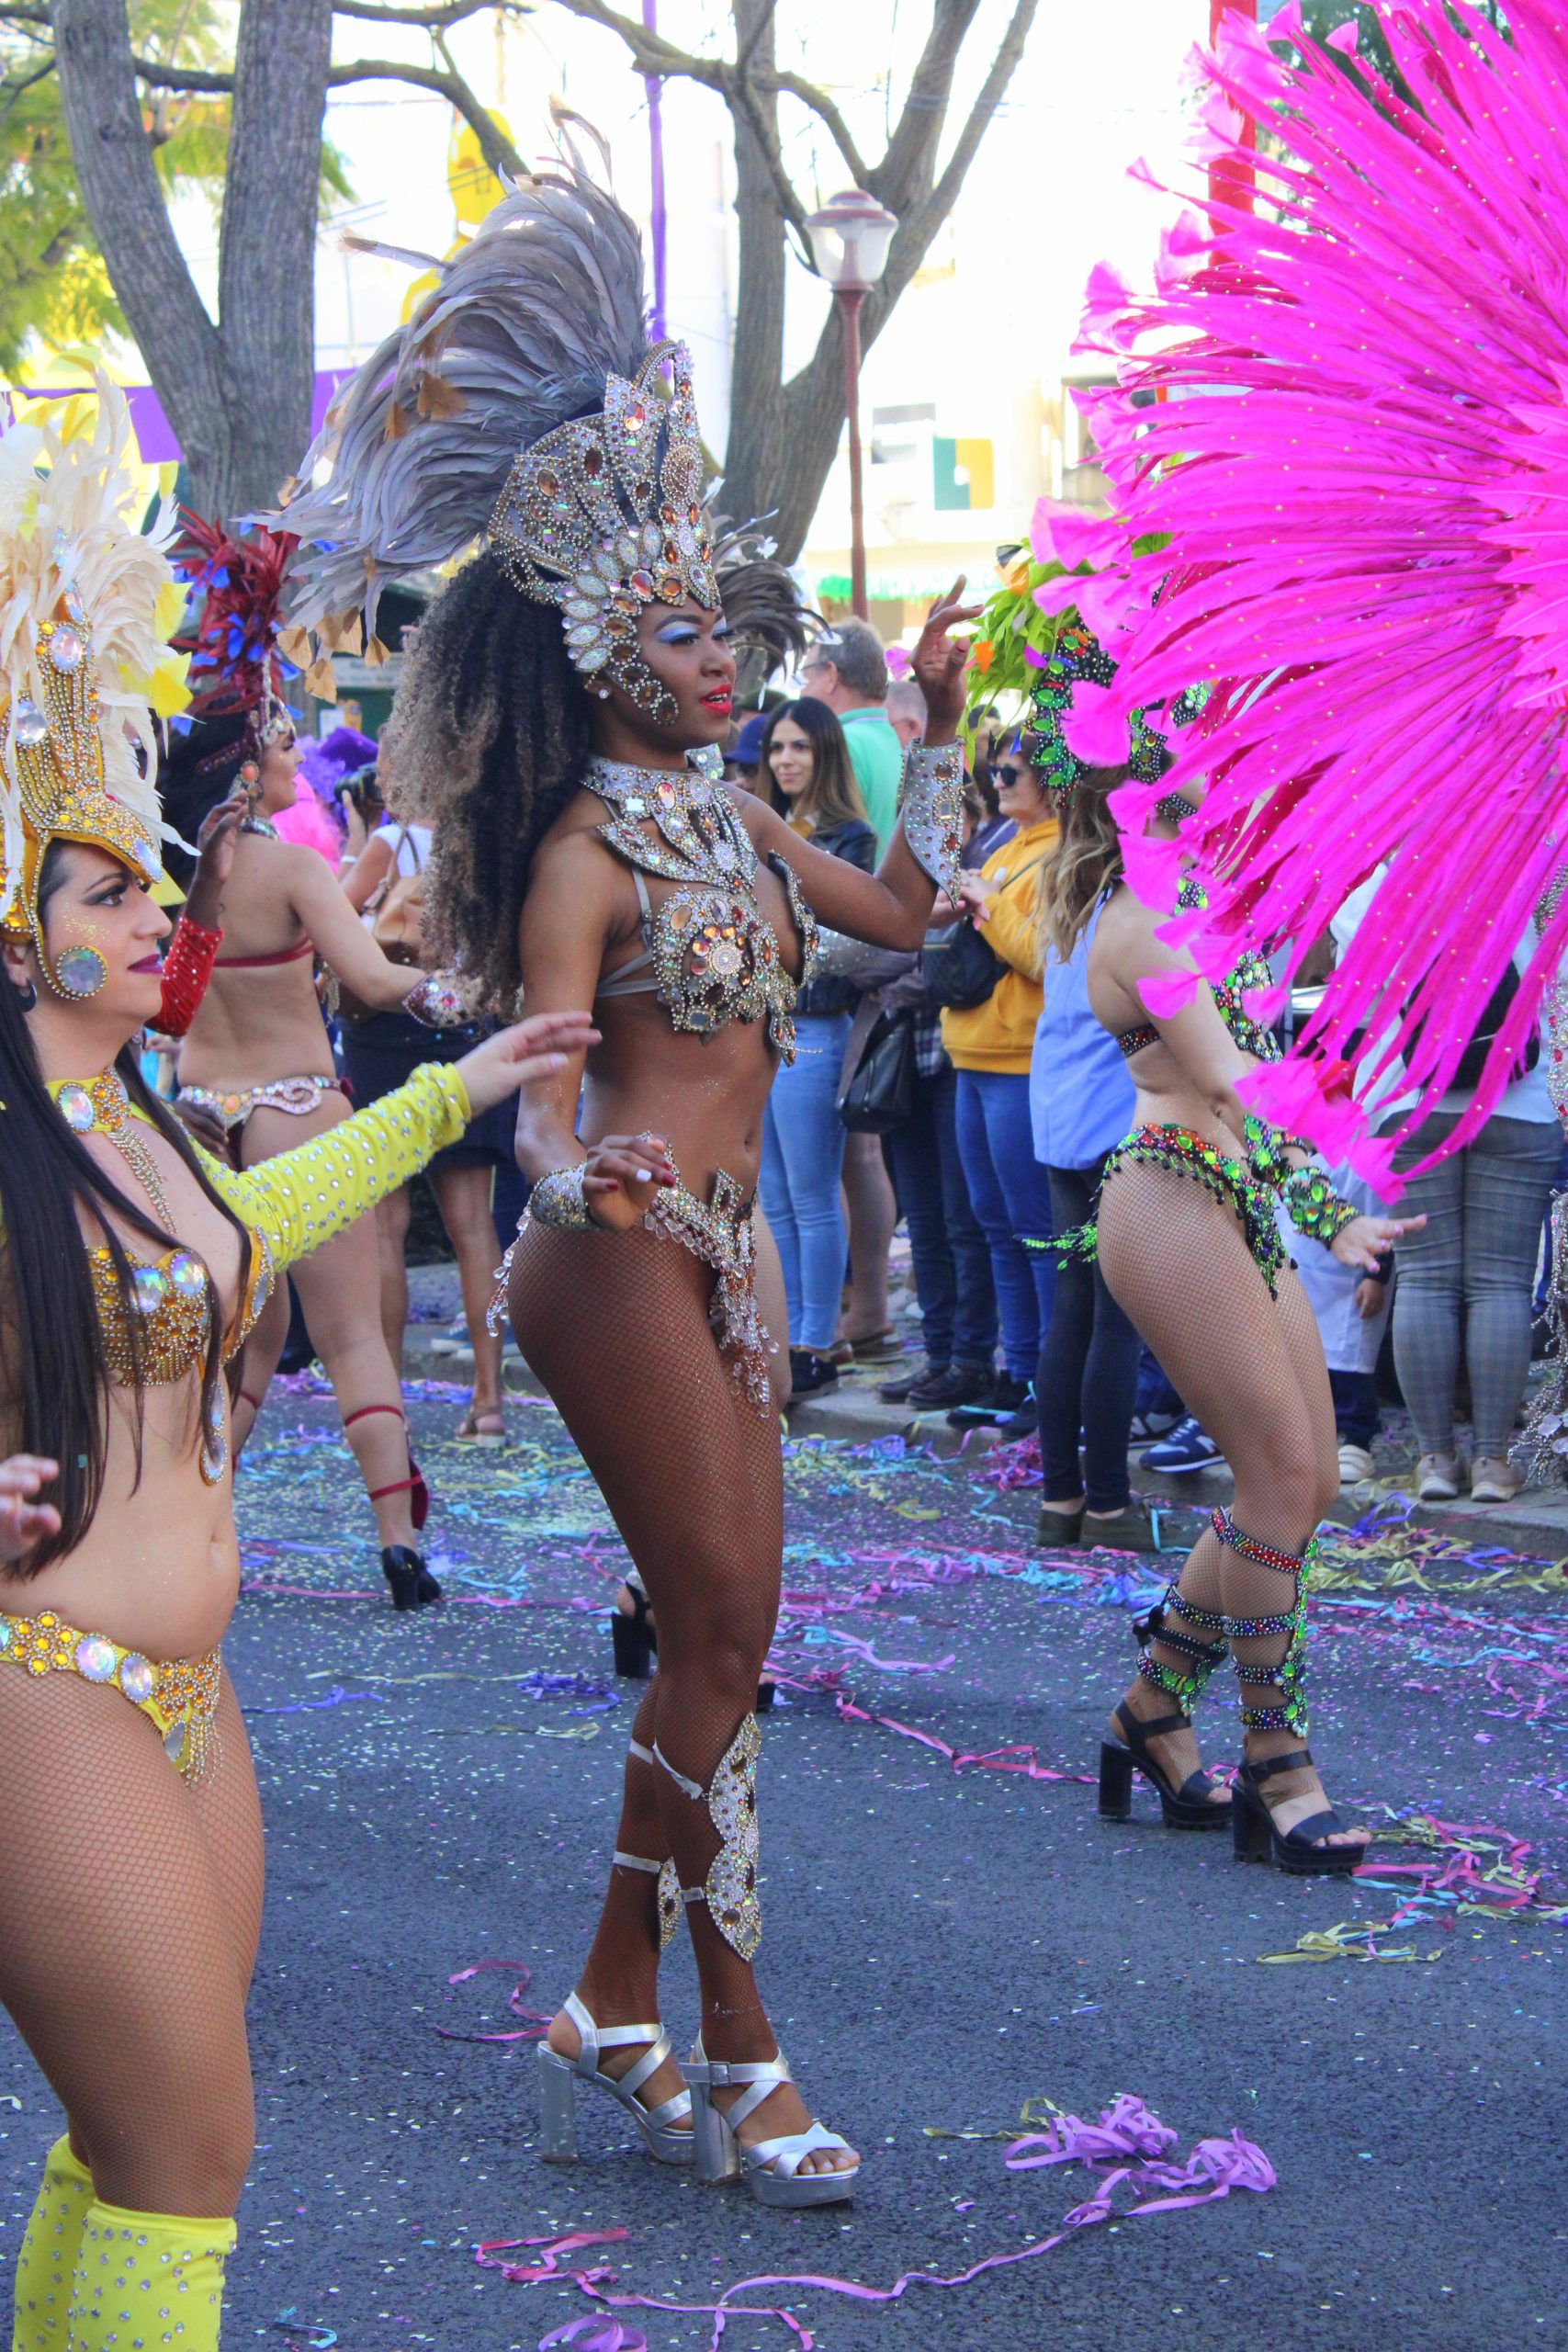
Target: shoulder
{"x":576,"y":829}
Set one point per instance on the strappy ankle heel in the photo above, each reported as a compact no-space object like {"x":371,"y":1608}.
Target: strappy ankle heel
{"x":771,"y":2168}
{"x":1257,"y":1839}
{"x":1254,"y":1835}
{"x":1191,"y":1806}
{"x":666,"y":2128}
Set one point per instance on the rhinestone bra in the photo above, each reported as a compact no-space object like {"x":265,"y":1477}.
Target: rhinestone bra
{"x":713,"y":955}
{"x":163,"y":1335}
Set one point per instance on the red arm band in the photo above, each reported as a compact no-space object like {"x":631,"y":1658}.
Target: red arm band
{"x":188,"y":968}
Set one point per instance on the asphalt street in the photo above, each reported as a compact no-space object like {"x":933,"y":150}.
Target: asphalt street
{"x":952,"y":1953}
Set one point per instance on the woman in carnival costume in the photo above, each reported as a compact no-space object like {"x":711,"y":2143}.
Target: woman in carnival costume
{"x":559,"y":724}
{"x":256,"y":1057}
{"x":132,"y":1265}
{"x":1336,"y":449}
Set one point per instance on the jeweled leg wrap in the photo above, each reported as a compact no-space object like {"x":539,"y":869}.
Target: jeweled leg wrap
{"x":1185,"y":1685}
{"x":150,"y":2278}
{"x":665,"y":1871}
{"x":731,"y":1888}
{"x":1288,"y":1675}
{"x":46,"y":2260}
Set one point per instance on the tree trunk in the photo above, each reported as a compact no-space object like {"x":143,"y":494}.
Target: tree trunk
{"x":755,"y":464}
{"x":237,"y":393}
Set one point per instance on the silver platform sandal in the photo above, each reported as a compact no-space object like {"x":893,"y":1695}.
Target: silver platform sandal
{"x":666,"y":2128}
{"x":771,"y":2168}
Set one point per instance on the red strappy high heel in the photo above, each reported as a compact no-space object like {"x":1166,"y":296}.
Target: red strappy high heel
{"x":408,"y":1580}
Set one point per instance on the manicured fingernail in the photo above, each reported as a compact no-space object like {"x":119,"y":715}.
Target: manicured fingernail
{"x":643,"y":1175}
{"x":557,"y":1061}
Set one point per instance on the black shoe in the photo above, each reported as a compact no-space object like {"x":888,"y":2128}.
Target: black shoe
{"x":808,"y":1373}
{"x":959,"y":1383}
{"x":1007,"y":1396}
{"x":635,"y":1642}
{"x":897,"y":1392}
{"x":1257,"y":1839}
{"x":1021,"y":1423}
{"x":412,"y":1584}
{"x":1191,"y":1806}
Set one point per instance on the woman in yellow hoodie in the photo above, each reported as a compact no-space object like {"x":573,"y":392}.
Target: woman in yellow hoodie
{"x":989,"y":1047}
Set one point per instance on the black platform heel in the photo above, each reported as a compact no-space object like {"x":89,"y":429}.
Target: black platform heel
{"x":408,"y":1580}
{"x":1257,"y":1839}
{"x":1191,"y":1806}
{"x":634,"y":1642}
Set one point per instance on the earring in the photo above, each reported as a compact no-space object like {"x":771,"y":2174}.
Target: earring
{"x":250,"y":773}
{"x":26,"y":996}
{"x":80,"y":972}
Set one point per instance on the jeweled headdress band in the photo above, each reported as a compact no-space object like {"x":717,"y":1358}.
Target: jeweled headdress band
{"x":1078,"y":658}
{"x":601,"y":520}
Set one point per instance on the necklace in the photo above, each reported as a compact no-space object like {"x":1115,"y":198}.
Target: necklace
{"x":699,"y":835}
{"x":103,"y":1107}
{"x":262,"y":825}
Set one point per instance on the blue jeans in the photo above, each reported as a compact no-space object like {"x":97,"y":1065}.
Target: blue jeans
{"x":1010,"y":1193}
{"x":950,"y":1261}
{"x":803,"y":1155}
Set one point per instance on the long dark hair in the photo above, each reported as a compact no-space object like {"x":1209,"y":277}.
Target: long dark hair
{"x":200,"y":767}
{"x":832,"y":796}
{"x":57,"y":1371}
{"x":488,"y":738}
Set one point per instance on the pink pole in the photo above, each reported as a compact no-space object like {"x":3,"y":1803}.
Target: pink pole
{"x":660,"y":221}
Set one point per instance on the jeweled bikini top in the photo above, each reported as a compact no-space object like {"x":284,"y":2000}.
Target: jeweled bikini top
{"x":172,"y":1295}
{"x":1249,"y":973}
{"x":709,"y":952}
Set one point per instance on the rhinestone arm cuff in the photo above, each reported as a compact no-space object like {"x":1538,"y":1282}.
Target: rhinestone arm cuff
{"x":1315,"y":1207}
{"x":440,"y":1001}
{"x":558,"y":1199}
{"x":932,"y":806}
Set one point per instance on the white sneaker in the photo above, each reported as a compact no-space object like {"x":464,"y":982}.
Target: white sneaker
{"x":1438,"y":1477}
{"x":449,"y":1342}
{"x":1355,"y":1463}
{"x":1493,"y":1482}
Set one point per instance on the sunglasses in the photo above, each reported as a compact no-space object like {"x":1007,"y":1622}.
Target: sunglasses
{"x":1008,"y":775}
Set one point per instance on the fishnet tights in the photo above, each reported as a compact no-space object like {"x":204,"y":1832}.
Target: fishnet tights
{"x":1252,"y":1369}
{"x":130,"y":1910}
{"x":617,"y":1326}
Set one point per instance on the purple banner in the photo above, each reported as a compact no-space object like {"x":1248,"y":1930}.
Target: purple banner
{"x":154,"y":433}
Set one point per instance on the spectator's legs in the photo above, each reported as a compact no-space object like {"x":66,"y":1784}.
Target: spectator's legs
{"x":803,"y":1150}
{"x":917,"y":1165}
{"x":1508,"y":1172}
{"x":974,"y":1304}
{"x":872,"y":1214}
{"x":1428,"y":1302}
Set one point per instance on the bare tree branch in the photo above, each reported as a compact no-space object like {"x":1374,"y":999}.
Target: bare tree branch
{"x":498,"y":151}
{"x":940,"y":202}
{"x":435,"y":18}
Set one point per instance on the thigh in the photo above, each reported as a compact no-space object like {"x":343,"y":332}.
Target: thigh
{"x":980,"y":1177}
{"x":772,"y":1308}
{"x":1509,"y":1170}
{"x":125,"y":1942}
{"x":1432,"y":1259}
{"x":1026,"y":1188}
{"x":1303,"y":1350}
{"x":1175,"y":1261}
{"x":616,"y":1325}
{"x":462,"y":1193}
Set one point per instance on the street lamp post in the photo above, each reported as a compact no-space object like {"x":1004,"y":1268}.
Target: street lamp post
{"x":850,"y":238}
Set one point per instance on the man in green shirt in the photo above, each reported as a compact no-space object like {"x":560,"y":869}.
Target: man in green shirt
{"x":847,"y":670}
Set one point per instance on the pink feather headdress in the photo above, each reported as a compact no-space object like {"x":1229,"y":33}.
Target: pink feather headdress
{"x":1359,"y":456}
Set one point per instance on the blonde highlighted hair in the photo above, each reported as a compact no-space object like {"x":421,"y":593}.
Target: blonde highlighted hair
{"x":1086,"y":863}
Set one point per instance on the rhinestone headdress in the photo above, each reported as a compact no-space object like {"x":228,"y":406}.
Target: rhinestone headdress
{"x":86,"y":600}
{"x":605,"y":516}
{"x":522,"y":402}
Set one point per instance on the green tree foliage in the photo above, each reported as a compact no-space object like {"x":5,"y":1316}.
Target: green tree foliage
{"x":54,"y":287}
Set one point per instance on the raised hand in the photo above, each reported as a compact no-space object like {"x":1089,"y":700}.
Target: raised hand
{"x":24,"y":1523}
{"x":215,"y":860}
{"x":938,"y":665}
{"x":525,"y":1055}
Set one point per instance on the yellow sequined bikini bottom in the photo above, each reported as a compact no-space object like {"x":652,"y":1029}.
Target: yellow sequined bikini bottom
{"x":179,"y":1696}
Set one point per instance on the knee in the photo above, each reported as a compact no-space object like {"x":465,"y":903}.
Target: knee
{"x":194,"y":2164}
{"x":722,"y":1644}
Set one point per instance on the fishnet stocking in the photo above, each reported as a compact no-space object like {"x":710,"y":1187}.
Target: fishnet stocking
{"x":1252,"y":1369}
{"x":130,"y":1908}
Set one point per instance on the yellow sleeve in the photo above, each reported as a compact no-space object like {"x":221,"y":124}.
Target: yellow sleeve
{"x":1011,"y":929}
{"x":303,"y":1197}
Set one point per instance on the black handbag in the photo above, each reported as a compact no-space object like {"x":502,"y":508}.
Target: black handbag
{"x":1484,"y":1036}
{"x":959,"y":968}
{"x":881,"y":1094}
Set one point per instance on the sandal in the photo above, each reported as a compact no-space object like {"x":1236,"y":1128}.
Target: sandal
{"x":472,"y":1431}
{"x":1257,"y":1840}
{"x":666,"y":2128}
{"x":1191,"y":1806}
{"x":771,"y":2168}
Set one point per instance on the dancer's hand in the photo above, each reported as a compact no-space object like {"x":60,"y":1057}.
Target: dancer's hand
{"x":620,"y":1177}
{"x":204,"y":1127}
{"x":24,"y":1523}
{"x":938,"y":665}
{"x":215,"y":861}
{"x":1366,"y":1238}
{"x":521,"y":1056}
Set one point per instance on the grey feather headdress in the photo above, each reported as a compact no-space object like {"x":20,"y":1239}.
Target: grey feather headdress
{"x":524,"y":402}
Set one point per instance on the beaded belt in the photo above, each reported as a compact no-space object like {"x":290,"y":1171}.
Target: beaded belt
{"x":179,"y":1696}
{"x":296,"y":1095}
